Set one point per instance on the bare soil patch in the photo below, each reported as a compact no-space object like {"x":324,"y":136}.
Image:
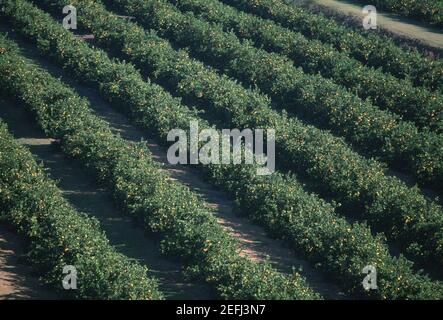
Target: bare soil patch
{"x":16,"y":279}
{"x":408,"y":30}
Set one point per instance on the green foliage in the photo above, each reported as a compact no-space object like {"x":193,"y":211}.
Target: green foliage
{"x":278,"y":202}
{"x":58,"y":235}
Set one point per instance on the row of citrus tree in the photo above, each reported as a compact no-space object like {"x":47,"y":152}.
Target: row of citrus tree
{"x":376,"y":132}
{"x":419,"y":105}
{"x":56,"y":233}
{"x":327,"y":163}
{"x":279,"y":202}
{"x":368,"y":47}
{"x":185,"y":225}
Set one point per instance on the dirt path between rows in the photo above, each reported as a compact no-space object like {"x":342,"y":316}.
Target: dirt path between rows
{"x":16,"y":279}
{"x":254,"y":241}
{"x":390,"y":22}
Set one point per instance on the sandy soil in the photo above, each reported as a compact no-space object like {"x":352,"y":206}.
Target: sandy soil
{"x":16,"y":279}
{"x":393,"y":23}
